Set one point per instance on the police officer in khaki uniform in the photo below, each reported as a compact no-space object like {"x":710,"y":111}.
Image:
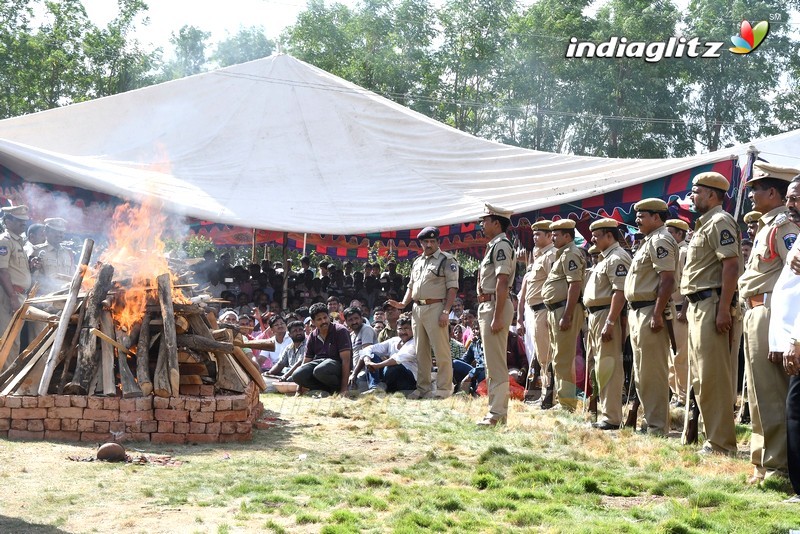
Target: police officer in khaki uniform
{"x":495,"y":310}
{"x":604,"y":299}
{"x":561,"y":295}
{"x":648,"y":288}
{"x":751,"y":219}
{"x":532,"y":313}
{"x":432,"y":287}
{"x":767,"y":383}
{"x":713,"y":264}
{"x":15,"y":274}
{"x":679,"y":356}
{"x":55,"y":264}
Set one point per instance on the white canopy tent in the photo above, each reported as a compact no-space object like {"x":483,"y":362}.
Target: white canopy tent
{"x":279,"y":144}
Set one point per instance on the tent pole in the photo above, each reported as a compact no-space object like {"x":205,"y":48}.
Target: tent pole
{"x":305,"y":240}
{"x":253,"y":253}
{"x":285,"y":292}
{"x":747,"y":172}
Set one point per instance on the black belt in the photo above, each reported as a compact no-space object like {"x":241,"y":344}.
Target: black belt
{"x":538,"y":307}
{"x":641,"y":304}
{"x":556,"y":305}
{"x":702,"y":295}
{"x":595,"y":309}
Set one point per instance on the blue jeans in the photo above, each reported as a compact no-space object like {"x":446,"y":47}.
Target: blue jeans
{"x":396,"y":377}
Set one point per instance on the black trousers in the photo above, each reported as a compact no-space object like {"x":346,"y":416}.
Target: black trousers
{"x":793,"y":432}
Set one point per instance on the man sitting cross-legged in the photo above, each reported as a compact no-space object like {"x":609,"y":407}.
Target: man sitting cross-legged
{"x":392,"y":364}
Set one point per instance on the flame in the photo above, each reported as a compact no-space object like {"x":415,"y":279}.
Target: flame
{"x":136,"y":250}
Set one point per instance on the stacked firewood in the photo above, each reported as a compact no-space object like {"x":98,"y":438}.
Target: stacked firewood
{"x":81,"y":350}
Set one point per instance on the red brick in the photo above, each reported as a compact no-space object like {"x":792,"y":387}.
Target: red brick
{"x":2,"y":401}
{"x":127,"y":405}
{"x":5,"y":413}
{"x":213,"y":428}
{"x":206,"y":391}
{"x":233,"y":438}
{"x":208,"y":405}
{"x":101,"y":427}
{"x":244,"y":428}
{"x":69,"y":424}
{"x":94,"y":403}
{"x":4,"y":434}
{"x":116,"y":426}
{"x":30,"y":402}
{"x":13,"y":402}
{"x":133,"y":427}
{"x":62,"y":401}
{"x":143,"y":415}
{"x":52,"y":424}
{"x":177,"y":403}
{"x":202,"y":417}
{"x":149,"y":426}
{"x":85,"y":425}
{"x":97,"y":437}
{"x":46,"y":402}
{"x":240,"y":403}
{"x":166,"y":426}
{"x":5,"y":424}
{"x":35,"y":425}
{"x":161,"y":403}
{"x":238,"y":415}
{"x":181,"y":428}
{"x":202,"y":438}
{"x":192,"y":405}
{"x":65,"y":413}
{"x":180,"y":416}
{"x":79,"y":401}
{"x":223,"y":404}
{"x":111,"y":403}
{"x":135,"y":436}
{"x":197,"y":428}
{"x":144,"y":403}
{"x":28,"y":413}
{"x":190,"y":389}
{"x":19,"y":424}
{"x":227,"y":427}
{"x":168,"y":437}
{"x":62,"y":435}
{"x":101,"y":415}
{"x":24,"y":434}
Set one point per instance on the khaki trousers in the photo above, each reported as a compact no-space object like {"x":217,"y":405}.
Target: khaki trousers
{"x":650,"y":368}
{"x":429,"y":335}
{"x":495,"y":347}
{"x":544,"y":351}
{"x":767,"y":387}
{"x":563,"y":345}
{"x":713,"y":374}
{"x":607,"y":367}
{"x":679,"y":361}
{"x":5,"y":320}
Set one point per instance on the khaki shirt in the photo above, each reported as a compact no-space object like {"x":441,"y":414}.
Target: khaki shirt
{"x":54,"y":261}
{"x":432,"y":276}
{"x":716,"y":238}
{"x":569,"y":266}
{"x":499,"y":259}
{"x":14,"y":259}
{"x":658,"y":253}
{"x":537,"y":273}
{"x":772,"y":243}
{"x":683,"y":246}
{"x":607,"y":276}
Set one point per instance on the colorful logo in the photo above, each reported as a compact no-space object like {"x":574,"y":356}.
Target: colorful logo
{"x":750,"y":38}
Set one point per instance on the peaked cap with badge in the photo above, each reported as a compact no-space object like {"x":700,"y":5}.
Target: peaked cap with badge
{"x":542,"y":225}
{"x":763,"y":170}
{"x":677,"y":223}
{"x":18,"y":212}
{"x":752,"y":217}
{"x":714,"y":180}
{"x":56,"y":223}
{"x":603,"y":223}
{"x":563,"y":224}
{"x":429,"y":232}
{"x":495,"y":211}
{"x":650,"y":204}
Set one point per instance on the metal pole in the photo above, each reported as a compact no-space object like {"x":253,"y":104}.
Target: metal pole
{"x":285,"y":299}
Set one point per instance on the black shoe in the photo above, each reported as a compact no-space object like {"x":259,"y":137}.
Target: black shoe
{"x":547,"y":402}
{"x":605,"y":425}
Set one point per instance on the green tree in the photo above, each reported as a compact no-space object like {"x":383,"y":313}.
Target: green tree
{"x":320,"y":37}
{"x":245,"y":45}
{"x":190,"y":53}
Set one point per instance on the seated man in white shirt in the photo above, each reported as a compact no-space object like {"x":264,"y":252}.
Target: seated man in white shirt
{"x":392,"y":364}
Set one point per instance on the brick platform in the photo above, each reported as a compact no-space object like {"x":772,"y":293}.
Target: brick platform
{"x":182,"y":419}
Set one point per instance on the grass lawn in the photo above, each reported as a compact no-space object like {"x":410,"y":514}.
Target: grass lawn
{"x":393,"y":465}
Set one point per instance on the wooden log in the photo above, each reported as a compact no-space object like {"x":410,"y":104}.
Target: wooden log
{"x":181,"y":324}
{"x":130,"y":389}
{"x":191,"y":380}
{"x":168,"y":316}
{"x":254,"y":344}
{"x":143,"y":357}
{"x":13,"y":329}
{"x":193,"y":369}
{"x":73,"y":350}
{"x":188,"y":356}
{"x":69,"y":307}
{"x":180,"y":309}
{"x":37,"y":356}
{"x":211,"y":318}
{"x":250,"y":367}
{"x":227,"y":376}
{"x":35,"y":314}
{"x":87,"y":362}
{"x":161,"y":384}
{"x":107,"y":353}
{"x":25,"y":355}
{"x":203,"y":344}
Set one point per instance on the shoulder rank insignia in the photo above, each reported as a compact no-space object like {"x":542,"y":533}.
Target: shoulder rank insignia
{"x":788,"y":240}
{"x":501,"y":255}
{"x":726,"y":238}
{"x":571,"y":266}
{"x":621,"y":270}
{"x":661,"y":252}
{"x":780,"y":219}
